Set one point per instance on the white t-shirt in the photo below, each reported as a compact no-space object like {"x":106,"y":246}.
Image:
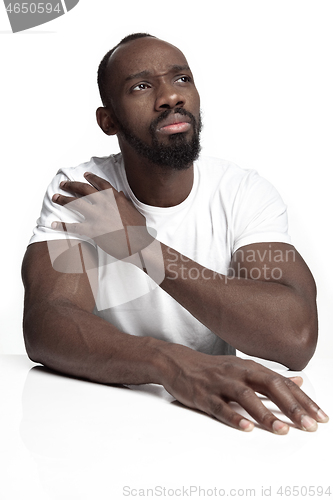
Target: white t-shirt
{"x":227,"y":208}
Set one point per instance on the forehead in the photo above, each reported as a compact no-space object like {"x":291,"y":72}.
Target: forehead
{"x":144,"y":54}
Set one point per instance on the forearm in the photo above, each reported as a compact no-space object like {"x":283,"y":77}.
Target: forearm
{"x":70,"y":340}
{"x":260,"y":318}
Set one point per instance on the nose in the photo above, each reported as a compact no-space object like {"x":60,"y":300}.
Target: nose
{"x":169,"y":97}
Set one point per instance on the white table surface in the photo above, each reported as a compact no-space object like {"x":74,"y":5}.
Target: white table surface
{"x":63,"y":438}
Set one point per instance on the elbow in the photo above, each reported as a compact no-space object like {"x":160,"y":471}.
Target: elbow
{"x":300,"y":327}
{"x":303,"y":346}
{"x":32,"y":353}
{"x":32,"y":345}
{"x":29,"y":346}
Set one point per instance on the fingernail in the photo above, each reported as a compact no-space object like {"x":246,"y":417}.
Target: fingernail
{"x":62,"y":183}
{"x":246,"y":425}
{"x":280,"y":427}
{"x":54,"y":225}
{"x":308,"y":423}
{"x":55,"y":197}
{"x":322,"y":416}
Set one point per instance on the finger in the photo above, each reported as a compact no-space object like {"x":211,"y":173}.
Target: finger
{"x":60,"y":199}
{"x":81,"y":205}
{"x":297,"y":380}
{"x":312,"y":408}
{"x":96,"y":181}
{"x":291,"y":400}
{"x":247,"y":399}
{"x":79,"y":188}
{"x":220,"y":410}
{"x":72,"y":228}
{"x":288,"y":396}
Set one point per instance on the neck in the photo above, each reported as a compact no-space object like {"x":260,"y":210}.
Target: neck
{"x":155,"y":185}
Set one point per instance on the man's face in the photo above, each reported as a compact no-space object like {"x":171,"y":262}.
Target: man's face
{"x":155,"y":102}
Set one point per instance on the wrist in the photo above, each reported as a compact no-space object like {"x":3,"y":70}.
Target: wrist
{"x":167,"y":362}
{"x":138,"y":238}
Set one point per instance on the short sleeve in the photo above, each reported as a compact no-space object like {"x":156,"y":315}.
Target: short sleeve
{"x":259,"y":213}
{"x":52,"y":212}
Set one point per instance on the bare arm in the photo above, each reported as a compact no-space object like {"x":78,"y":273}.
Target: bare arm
{"x":266,"y":307}
{"x":62,"y":333}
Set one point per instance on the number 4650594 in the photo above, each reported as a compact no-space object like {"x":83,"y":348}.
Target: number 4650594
{"x":33,"y":8}
{"x":303,"y":491}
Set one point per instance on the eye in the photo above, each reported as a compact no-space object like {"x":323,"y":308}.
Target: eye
{"x":141,"y":86}
{"x":184,"y":79}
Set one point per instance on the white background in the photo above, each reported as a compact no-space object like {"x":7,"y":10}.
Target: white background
{"x":264,"y":71}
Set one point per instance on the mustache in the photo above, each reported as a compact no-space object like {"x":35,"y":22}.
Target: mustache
{"x":181,"y":111}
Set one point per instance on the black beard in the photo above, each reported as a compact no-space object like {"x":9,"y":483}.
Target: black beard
{"x":179,"y":154}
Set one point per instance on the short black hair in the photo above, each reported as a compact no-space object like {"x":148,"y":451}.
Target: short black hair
{"x":102,"y":74}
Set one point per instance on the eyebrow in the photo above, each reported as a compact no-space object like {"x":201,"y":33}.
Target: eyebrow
{"x":146,"y":73}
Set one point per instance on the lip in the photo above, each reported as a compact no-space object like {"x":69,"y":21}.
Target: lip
{"x":175,"y":123}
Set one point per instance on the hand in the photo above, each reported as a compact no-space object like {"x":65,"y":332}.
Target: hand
{"x":111,"y":220}
{"x":209,"y":383}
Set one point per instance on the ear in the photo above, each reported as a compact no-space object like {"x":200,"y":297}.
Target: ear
{"x":106,"y":121}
